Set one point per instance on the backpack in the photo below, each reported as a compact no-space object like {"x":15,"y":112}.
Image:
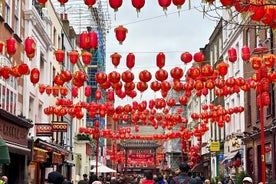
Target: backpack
{"x":186,"y":180}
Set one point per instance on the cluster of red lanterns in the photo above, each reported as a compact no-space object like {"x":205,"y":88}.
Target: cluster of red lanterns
{"x":16,"y":71}
{"x":212,"y":113}
{"x":260,"y":11}
{"x":194,"y":156}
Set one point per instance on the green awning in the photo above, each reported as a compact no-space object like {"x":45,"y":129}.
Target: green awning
{"x":4,"y":152}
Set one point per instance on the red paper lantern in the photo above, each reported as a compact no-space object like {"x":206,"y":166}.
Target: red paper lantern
{"x":161,"y":75}
{"x":63,"y":91}
{"x":245,"y":53}
{"x":41,"y":88}
{"x":120,"y":33}
{"x":89,"y":3}
{"x":66,"y":75}
{"x":142,"y":86}
{"x":207,"y":70}
{"x":114,"y":77}
{"x":87,"y":91}
{"x":92,"y":39}
{"x":186,"y":57}
{"x":100,"y":77}
{"x":60,"y":54}
{"x":23,"y":69}
{"x":30,"y":47}
{"x":98,"y":94}
{"x":1,"y":46}
{"x":227,"y":3}
{"x":115,"y":4}
{"x":11,"y":46}
{"x":62,"y":2}
{"x":178,"y":3}
{"x":164,"y":4}
{"x":232,"y":55}
{"x":130,"y":60}
{"x":42,"y":2}
{"x":256,"y":62}
{"x":86,"y":57}
{"x":155,"y":86}
{"x":222,"y":68}
{"x":14,"y":71}
{"x":84,"y":40}
{"x":176,"y":73}
{"x":74,"y":91}
{"x":73,"y":56}
{"x":115,"y":59}
{"x":58,"y":80}
{"x":34,"y":76}
{"x":145,"y":76}
{"x":127,"y":76}
{"x":269,"y":60}
{"x":199,"y":57}
{"x":160,"y":60}
{"x":138,"y":4}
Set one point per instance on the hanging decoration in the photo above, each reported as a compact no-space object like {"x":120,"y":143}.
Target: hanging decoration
{"x":115,"y":59}
{"x":160,"y":60}
{"x":120,"y":33}
{"x":35,"y":75}
{"x":138,"y":4}
{"x":130,"y":60}
{"x":30,"y":47}
{"x":165,"y":4}
{"x":115,"y":4}
{"x":92,"y":40}
{"x":86,"y":57}
{"x":73,"y":56}
{"x":89,"y":3}
{"x":60,"y":54}
{"x":11,"y":46}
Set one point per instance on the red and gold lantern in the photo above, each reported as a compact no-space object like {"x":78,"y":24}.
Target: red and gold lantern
{"x":160,"y":60}
{"x":115,"y":4}
{"x":222,"y":68}
{"x":164,"y":4}
{"x":245,"y":53}
{"x":199,"y":57}
{"x":89,"y":3}
{"x":120,"y":33}
{"x":87,"y":91}
{"x":11,"y":46}
{"x":98,"y":94}
{"x":232,"y":55}
{"x":130,"y":60}
{"x":186,"y":57}
{"x":60,"y":54}
{"x":84,"y":40}
{"x":34,"y":76}
{"x":23,"y":69}
{"x":138,"y":4}
{"x":86,"y":57}
{"x":74,"y":91}
{"x":73,"y":56}
{"x":92,"y":39}
{"x":100,"y":77}
{"x":145,"y":76}
{"x":30,"y":47}
{"x":115,"y":59}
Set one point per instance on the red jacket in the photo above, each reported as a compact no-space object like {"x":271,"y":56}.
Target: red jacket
{"x":148,"y":182}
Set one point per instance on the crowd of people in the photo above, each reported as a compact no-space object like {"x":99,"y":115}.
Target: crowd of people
{"x":182,"y":177}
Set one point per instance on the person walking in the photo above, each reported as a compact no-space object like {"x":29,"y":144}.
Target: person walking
{"x":183,"y":177}
{"x":84,"y":180}
{"x":148,"y":177}
{"x":247,"y":180}
{"x":4,"y":180}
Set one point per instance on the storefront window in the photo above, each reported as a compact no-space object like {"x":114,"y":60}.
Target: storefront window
{"x":268,"y":162}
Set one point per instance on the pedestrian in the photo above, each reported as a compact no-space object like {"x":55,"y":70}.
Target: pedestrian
{"x":183,"y":177}
{"x":4,"y":180}
{"x":207,"y":181}
{"x":55,"y":177}
{"x":84,"y":180}
{"x":148,"y":177}
{"x":247,"y":180}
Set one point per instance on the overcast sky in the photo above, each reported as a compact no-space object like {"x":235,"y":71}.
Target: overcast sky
{"x":152,"y":32}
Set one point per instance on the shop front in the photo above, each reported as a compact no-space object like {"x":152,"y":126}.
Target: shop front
{"x":14,"y":137}
{"x":47,"y":157}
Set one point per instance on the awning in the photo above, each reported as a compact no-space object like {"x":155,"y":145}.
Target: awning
{"x":4,"y":152}
{"x":229,"y":156}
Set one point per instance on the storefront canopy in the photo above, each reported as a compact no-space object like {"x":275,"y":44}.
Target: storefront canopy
{"x":4,"y":152}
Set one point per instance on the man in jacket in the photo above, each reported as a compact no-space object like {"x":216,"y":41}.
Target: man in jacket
{"x":182,"y":177}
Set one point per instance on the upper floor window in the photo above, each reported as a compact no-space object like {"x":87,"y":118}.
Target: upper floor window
{"x":17,"y":17}
{"x":8,"y":12}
